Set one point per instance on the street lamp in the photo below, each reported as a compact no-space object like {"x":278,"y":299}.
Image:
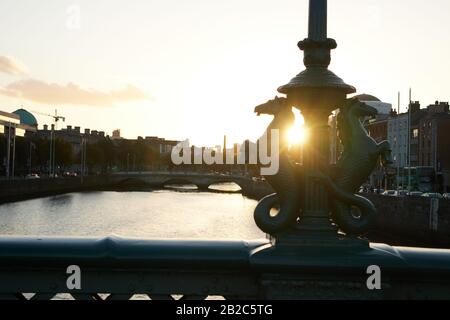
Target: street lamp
{"x":303,"y":238}
{"x":325,"y":191}
{"x":316,"y":91}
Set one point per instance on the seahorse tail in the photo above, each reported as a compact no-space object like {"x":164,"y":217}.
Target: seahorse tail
{"x":355,"y":215}
{"x":286,"y":216}
{"x":349,"y":220}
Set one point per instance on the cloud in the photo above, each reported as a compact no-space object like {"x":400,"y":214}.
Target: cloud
{"x":11,"y":66}
{"x":55,"y":94}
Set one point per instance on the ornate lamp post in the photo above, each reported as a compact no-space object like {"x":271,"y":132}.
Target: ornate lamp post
{"x":307,"y":257}
{"x":316,"y":91}
{"x":323,"y":191}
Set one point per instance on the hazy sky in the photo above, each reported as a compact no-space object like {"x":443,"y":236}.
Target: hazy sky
{"x":195,"y":69}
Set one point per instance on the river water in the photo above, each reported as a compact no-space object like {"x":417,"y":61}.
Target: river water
{"x":167,"y":214}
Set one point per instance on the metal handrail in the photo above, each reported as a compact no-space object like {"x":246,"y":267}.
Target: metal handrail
{"x":231,"y":269}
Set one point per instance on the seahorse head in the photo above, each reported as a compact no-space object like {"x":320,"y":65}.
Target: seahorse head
{"x":283,"y":119}
{"x":272,"y":107}
{"x":356,"y":108}
{"x":349,"y":118}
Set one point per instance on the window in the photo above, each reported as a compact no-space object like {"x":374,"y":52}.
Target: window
{"x":415,"y":133}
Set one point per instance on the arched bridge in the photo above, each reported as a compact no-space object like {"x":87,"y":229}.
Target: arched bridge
{"x":162,"y":179}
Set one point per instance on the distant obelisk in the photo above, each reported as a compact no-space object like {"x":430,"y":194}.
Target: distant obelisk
{"x":224,"y":149}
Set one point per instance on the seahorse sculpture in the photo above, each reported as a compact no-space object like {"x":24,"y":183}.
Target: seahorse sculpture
{"x":286,"y":182}
{"x":359,"y":157}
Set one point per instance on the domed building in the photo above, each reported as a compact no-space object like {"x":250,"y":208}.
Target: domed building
{"x":367,"y":97}
{"x":26,"y":118}
{"x":382,"y":107}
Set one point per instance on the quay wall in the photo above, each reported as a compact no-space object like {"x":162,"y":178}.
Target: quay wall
{"x":20,"y":189}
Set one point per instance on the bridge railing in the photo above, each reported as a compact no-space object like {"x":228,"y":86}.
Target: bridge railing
{"x":115,"y":268}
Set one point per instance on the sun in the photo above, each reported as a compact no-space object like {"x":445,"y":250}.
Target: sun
{"x":298,"y":134}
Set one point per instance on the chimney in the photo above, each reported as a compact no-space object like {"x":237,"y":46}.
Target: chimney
{"x":87,"y":131}
{"x":53,"y":127}
{"x":439,"y":107}
{"x":69,"y":128}
{"x":45,"y":127}
{"x":101,"y":133}
{"x":77,"y":129}
{"x":415,"y":106}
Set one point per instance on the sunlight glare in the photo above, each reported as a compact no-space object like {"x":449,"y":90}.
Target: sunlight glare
{"x":298,"y":134}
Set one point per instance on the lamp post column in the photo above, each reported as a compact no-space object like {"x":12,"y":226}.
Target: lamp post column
{"x":316,"y":92}
{"x":315,"y":215}
{"x":316,"y":157}
{"x":317,"y":23}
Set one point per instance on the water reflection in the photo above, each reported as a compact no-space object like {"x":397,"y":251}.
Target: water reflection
{"x":158,"y":214}
{"x":227,"y":186}
{"x":181,"y":186}
{"x":62,"y":199}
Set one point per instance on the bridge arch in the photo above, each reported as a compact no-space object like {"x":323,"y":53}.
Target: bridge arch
{"x":200,"y":181}
{"x":179,"y":182}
